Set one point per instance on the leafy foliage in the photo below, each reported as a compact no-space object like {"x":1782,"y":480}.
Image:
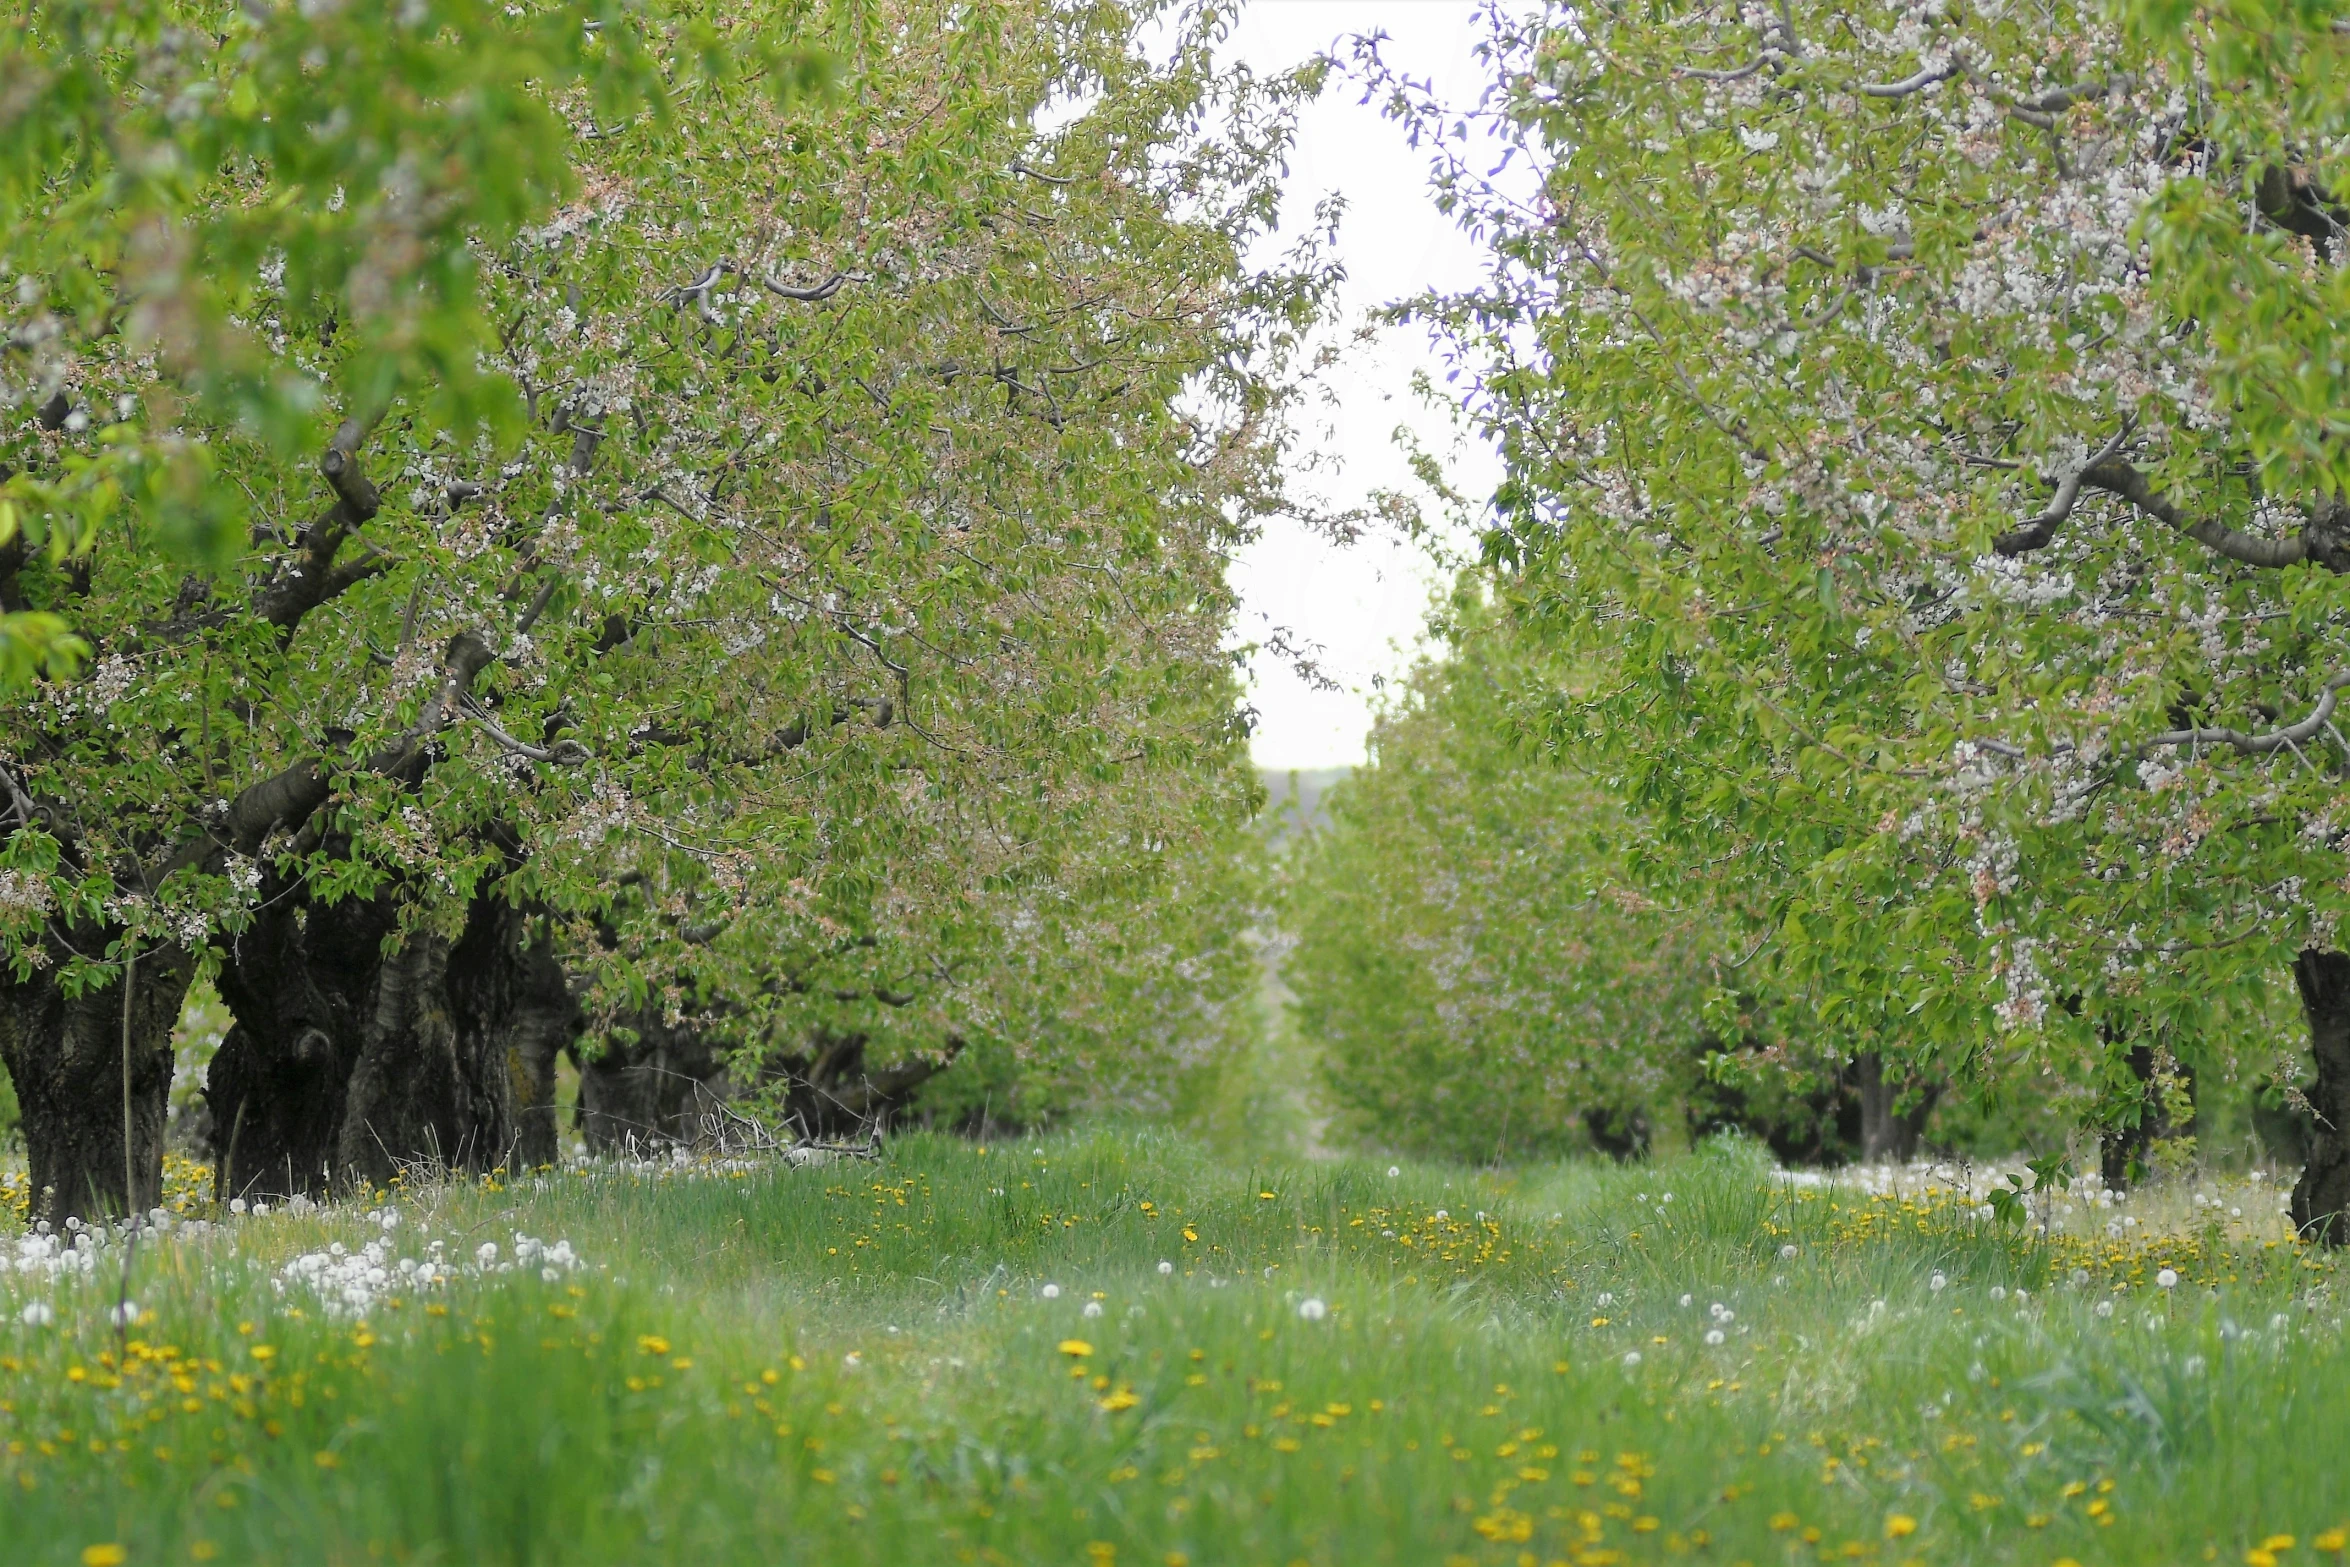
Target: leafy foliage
{"x":1923,"y":423}
{"x":718,"y":479}
{"x":1471,"y":963}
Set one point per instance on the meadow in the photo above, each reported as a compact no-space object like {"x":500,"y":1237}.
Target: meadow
{"x":1115,"y":1346}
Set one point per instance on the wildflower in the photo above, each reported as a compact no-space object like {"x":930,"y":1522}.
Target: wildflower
{"x":37,"y":1314}
{"x":852,"y":1361}
{"x":1442,"y":1215}
{"x":1937,"y":1283}
{"x":1787,"y":1252}
{"x":2080,"y":1276}
{"x":2277,"y":1542}
{"x":1713,"y":1335}
{"x":1093,"y":1308}
{"x":1393,"y":1171}
{"x":1166,"y":1268}
{"x":1312,"y":1310}
{"x":2331,"y":1541}
{"x":2168,"y":1278}
{"x":2105,"y":1308}
{"x":1631,"y":1358}
{"x":1075,"y":1348}
{"x":486,"y":1253}
{"x":124,"y":1314}
{"x":236,"y":1205}
{"x":1686,"y":1300}
{"x":1899,"y":1526}
{"x":1998,"y":1293}
{"x":1051,"y":1292}
{"x":107,"y":1555}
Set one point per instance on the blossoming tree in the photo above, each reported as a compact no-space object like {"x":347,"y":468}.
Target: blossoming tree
{"x":760,"y":557}
{"x":1925,"y":422}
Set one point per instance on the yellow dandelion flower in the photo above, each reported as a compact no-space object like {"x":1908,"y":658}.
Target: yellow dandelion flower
{"x":1900,"y":1526}
{"x":1076,"y":1348}
{"x":2332,"y":1540}
{"x":107,"y":1555}
{"x":2277,"y":1542}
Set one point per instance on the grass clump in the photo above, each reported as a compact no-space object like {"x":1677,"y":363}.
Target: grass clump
{"x":1112,"y":1347}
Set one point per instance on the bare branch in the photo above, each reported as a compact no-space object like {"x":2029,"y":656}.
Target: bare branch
{"x":562,"y":752}
{"x":1926,"y":77}
{"x":2120,"y":478}
{"x":2037,"y":533}
{"x":2320,"y":717}
{"x":806,"y":296}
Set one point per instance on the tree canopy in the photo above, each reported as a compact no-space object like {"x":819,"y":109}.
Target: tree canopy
{"x":698,"y":516}
{"x":1924,"y":426}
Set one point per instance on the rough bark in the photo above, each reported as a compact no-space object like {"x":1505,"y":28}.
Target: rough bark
{"x":515,"y":1013}
{"x":831,"y":1093}
{"x":298,"y":984}
{"x":348,"y":1064}
{"x":65,"y":1056}
{"x":650,"y":1092}
{"x":2143,"y":1122}
{"x":2321,"y":1198}
{"x":1889,"y":1134}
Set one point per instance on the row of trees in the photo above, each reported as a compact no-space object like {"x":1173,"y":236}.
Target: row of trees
{"x":1926,"y":483}
{"x":690,"y":533}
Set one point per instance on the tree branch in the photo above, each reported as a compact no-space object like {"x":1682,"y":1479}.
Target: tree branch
{"x":2121,"y":478}
{"x":2037,"y":533}
{"x":1926,"y":77}
{"x":2274,"y":739}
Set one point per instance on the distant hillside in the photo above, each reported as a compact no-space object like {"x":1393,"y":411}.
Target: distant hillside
{"x":1308,"y":785}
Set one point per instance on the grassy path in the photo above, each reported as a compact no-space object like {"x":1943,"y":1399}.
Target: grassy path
{"x":1121,"y":1349}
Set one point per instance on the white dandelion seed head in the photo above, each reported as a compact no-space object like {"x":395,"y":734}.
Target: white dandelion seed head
{"x":1713,"y":1335}
{"x":1166,"y":1268}
{"x":1787,"y":1252}
{"x":2168,"y":1278}
{"x":1312,"y":1309}
{"x":37,"y":1314}
{"x":1937,"y":1283}
{"x":1093,"y":1308}
{"x":1394,"y":1170}
{"x":1631,"y":1358}
{"x":1051,"y":1292}
{"x":1686,"y":1301}
{"x":2105,"y":1308}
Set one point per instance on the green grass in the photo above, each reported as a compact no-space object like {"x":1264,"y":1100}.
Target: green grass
{"x":690,"y":1397}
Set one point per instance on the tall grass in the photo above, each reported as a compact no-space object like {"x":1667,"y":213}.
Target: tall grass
{"x":859,"y":1363}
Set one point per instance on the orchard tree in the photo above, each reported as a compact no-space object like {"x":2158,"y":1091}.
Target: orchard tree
{"x":1475,"y":971}
{"x":1925,"y":423}
{"x":791,"y":541}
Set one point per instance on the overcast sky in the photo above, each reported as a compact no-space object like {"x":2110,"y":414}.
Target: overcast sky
{"x":1362,"y":604}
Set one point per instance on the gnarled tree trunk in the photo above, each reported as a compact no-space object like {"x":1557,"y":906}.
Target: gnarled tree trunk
{"x":348,"y":1064}
{"x":650,"y":1092}
{"x":2321,"y":1198}
{"x":1888,"y":1134}
{"x":298,"y":984}
{"x":2123,"y":1148}
{"x":515,"y":1014}
{"x":65,"y":1057}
